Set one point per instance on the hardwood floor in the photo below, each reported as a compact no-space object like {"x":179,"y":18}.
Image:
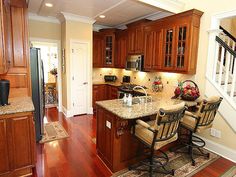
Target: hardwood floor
{"x":76,"y":156}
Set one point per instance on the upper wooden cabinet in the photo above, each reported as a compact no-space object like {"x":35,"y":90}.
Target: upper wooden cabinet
{"x":109,"y":47}
{"x":169,"y":44}
{"x":98,"y":46}
{"x":17,"y":48}
{"x":4,"y":35}
{"x":121,"y":49}
{"x":135,"y":37}
{"x":152,"y":48}
{"x":180,"y":42}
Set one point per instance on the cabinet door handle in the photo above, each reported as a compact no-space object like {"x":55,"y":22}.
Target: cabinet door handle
{"x":85,"y":83}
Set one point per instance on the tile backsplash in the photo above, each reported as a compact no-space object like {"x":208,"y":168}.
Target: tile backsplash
{"x":170,"y":80}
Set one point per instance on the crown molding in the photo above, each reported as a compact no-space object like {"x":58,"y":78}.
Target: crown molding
{"x":154,"y":16}
{"x":174,"y":6}
{"x":159,"y":15}
{"x":97,"y":27}
{"x":33,"y":16}
{"x":72,"y":17}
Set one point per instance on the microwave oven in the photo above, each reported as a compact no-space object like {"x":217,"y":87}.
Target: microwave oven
{"x":134,"y":63}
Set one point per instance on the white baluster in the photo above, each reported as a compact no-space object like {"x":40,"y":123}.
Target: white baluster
{"x":221,"y":65}
{"x":216,"y":57}
{"x":227,"y":65}
{"x":233,"y":80}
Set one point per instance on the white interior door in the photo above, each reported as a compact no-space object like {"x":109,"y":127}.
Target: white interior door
{"x":79,"y":80}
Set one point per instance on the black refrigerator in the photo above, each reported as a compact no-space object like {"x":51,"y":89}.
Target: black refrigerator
{"x":38,"y":92}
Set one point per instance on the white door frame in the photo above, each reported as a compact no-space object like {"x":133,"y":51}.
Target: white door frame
{"x":89,"y":73}
{"x":59,"y":78}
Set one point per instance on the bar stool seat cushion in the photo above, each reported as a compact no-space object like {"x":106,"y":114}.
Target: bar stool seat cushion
{"x":147,"y":136}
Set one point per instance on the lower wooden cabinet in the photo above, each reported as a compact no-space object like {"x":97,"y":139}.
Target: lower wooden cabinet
{"x":17,"y":145}
{"x":104,"y":92}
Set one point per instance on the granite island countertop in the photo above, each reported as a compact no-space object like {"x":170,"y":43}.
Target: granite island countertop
{"x":17,"y":105}
{"x":137,"y":110}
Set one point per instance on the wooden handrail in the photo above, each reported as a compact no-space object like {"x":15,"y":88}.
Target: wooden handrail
{"x":221,"y":42}
{"x":228,"y":34}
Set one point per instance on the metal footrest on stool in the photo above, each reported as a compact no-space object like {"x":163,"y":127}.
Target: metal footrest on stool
{"x":154,"y":164}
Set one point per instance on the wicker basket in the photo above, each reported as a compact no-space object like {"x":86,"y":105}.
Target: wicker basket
{"x":188,"y":97}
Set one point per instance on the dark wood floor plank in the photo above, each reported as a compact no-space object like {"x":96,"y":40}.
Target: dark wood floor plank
{"x":76,"y":156}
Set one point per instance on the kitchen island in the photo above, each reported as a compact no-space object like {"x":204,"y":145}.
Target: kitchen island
{"x":116,"y":145}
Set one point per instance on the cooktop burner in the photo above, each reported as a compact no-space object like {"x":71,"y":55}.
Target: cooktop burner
{"x":129,"y":87}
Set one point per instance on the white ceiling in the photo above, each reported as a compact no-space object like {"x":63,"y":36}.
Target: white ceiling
{"x":117,"y":12}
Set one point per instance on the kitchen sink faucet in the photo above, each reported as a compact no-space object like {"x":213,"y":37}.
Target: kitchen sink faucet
{"x":140,"y":87}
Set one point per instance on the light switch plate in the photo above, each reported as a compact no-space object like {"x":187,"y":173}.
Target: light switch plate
{"x":108,"y":124}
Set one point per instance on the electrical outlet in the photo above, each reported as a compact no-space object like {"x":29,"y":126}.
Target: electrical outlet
{"x":215,"y":133}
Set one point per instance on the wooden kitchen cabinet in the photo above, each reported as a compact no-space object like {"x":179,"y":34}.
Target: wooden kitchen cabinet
{"x":180,"y":42}
{"x":98,"y":45}
{"x":121,"y":49}
{"x":112,"y":92}
{"x":109,"y":47}
{"x":4,"y":35}
{"x":153,"y":48}
{"x":104,"y":92}
{"x":17,"y":144}
{"x":99,"y":94}
{"x":18,"y":49}
{"x":135,"y":37}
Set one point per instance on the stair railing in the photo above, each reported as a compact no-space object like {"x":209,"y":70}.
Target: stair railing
{"x":225,"y":68}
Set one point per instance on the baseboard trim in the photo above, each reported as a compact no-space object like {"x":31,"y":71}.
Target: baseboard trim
{"x":221,"y":150}
{"x":90,"y":110}
{"x":66,"y":112}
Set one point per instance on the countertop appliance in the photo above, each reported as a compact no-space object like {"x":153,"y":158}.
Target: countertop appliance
{"x":110,"y":78}
{"x":128,"y":88}
{"x":4,"y":92}
{"x":126,"y":79}
{"x":134,"y":63}
{"x":38,"y":92}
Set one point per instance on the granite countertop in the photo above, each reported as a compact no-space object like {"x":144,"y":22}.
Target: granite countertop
{"x":17,"y":105}
{"x":137,"y":110}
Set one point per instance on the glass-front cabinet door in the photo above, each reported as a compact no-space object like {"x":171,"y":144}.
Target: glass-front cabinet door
{"x":168,"y":48}
{"x":181,"y":56}
{"x":108,"y":50}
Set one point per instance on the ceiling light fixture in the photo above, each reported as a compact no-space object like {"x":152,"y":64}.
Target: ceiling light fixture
{"x":102,"y":16}
{"x":48,"y":4}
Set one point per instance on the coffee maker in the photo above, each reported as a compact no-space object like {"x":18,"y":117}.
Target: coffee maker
{"x":4,"y":92}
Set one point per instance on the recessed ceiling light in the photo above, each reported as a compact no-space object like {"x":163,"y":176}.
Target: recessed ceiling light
{"x":48,"y":4}
{"x":102,"y":16}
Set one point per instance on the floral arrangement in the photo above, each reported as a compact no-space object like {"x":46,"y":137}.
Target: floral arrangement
{"x":157,"y":84}
{"x":187,"y":90}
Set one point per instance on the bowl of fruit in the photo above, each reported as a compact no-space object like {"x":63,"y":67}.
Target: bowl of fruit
{"x":187,"y":90}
